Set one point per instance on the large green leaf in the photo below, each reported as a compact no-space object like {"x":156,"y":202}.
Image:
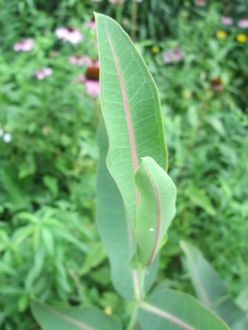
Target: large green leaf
{"x":211,"y":290}
{"x":113,"y":227}
{"x":156,"y":209}
{"x":132,"y":115}
{"x":131,"y":110}
{"x":171,"y":310}
{"x":73,"y":318}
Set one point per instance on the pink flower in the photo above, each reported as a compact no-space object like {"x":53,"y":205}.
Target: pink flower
{"x":68,"y":34}
{"x":79,"y":79}
{"x":90,"y":79}
{"x":90,"y":25}
{"x":226,"y":20}
{"x":243,"y":23}
{"x":80,"y":60}
{"x":200,"y":3}
{"x":25,"y":45}
{"x":43,"y":73}
{"x":173,"y":55}
{"x":116,"y":2}
{"x":92,"y":88}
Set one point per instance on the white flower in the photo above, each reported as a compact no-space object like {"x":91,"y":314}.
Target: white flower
{"x":7,"y":137}
{"x":70,"y":35}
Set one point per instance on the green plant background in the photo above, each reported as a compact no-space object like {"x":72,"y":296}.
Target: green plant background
{"x":49,"y":245}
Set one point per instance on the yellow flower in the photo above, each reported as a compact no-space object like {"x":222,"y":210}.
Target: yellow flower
{"x":155,"y":49}
{"x":241,"y":37}
{"x":220,"y":34}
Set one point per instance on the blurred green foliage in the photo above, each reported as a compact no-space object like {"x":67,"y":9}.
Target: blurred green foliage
{"x":49,"y":245}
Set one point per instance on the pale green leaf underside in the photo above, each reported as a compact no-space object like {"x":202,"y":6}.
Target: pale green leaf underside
{"x":131,"y":109}
{"x":113,"y":227}
{"x":156,"y":209}
{"x":211,"y":290}
{"x":171,"y":310}
{"x":72,"y":318}
{"x":242,"y":299}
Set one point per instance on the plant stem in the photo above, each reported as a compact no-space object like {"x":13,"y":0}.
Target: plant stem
{"x":134,"y":19}
{"x":118,"y":13}
{"x":133,"y":319}
{"x":142,"y":284}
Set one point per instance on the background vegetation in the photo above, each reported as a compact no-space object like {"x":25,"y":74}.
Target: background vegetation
{"x":49,"y":245}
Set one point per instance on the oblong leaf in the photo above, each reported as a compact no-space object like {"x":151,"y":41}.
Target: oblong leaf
{"x":131,"y":109}
{"x":72,"y":318}
{"x":172,"y":310}
{"x":211,"y":290}
{"x":156,"y":209}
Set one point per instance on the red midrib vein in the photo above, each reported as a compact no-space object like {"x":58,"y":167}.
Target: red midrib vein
{"x":165,"y":315}
{"x":125,"y":104}
{"x":131,"y":140}
{"x":158,"y":217}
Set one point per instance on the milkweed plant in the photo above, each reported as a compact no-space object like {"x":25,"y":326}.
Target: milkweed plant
{"x":135,"y":200}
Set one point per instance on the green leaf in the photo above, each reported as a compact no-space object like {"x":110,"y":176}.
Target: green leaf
{"x":200,"y":198}
{"x":48,"y":240}
{"x":72,"y":318}
{"x":211,"y":290}
{"x":171,"y":310}
{"x":35,"y":269}
{"x":242,"y":299}
{"x":52,"y":184}
{"x":132,"y":115}
{"x":216,"y":123}
{"x":156,"y":209}
{"x":112,"y":224}
{"x":94,"y":257}
{"x":131,"y":109}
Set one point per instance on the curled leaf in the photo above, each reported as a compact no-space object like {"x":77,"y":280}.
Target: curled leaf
{"x":156,"y":209}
